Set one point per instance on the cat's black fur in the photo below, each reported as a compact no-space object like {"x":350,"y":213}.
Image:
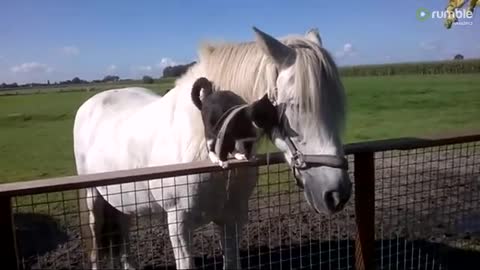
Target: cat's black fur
{"x":215,"y":107}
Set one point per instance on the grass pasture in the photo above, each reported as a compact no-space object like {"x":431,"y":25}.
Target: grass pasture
{"x":159,"y":85}
{"x":36,"y":129}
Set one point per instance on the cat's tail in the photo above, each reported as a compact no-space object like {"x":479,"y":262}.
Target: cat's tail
{"x":198,"y":85}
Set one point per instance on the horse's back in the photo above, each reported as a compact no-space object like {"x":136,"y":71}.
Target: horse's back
{"x":118,"y":100}
{"x":100,"y":115}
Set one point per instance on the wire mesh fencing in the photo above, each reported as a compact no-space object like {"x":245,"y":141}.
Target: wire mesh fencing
{"x":427,"y":216}
{"x":428,"y":207}
{"x":281,"y":232}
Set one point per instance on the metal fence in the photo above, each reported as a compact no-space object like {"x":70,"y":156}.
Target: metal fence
{"x":415,"y":206}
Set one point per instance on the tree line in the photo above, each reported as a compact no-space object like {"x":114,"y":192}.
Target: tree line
{"x":74,"y":81}
{"x":456,"y":66}
{"x":170,"y":71}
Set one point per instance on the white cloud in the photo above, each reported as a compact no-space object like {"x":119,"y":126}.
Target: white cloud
{"x":144,"y":68}
{"x":165,"y":62}
{"x":154,"y":70}
{"x":347,"y":50}
{"x":71,"y":50}
{"x":112,"y":68}
{"x":429,"y":45}
{"x":138,"y":71}
{"x":31,"y":67}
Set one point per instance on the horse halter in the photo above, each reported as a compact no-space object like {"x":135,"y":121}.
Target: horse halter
{"x":300,"y":161}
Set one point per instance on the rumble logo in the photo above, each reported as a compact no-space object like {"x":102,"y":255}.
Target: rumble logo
{"x":466,"y":16}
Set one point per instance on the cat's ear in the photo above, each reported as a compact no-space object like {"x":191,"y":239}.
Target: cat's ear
{"x":265,"y":98}
{"x":285,"y":127}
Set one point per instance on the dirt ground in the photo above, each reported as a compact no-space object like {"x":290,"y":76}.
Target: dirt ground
{"x":427,"y":217}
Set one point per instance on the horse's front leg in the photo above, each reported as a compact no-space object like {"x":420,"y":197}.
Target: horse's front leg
{"x":124,"y":231}
{"x":91,"y":218}
{"x":230,"y":234}
{"x":179,"y":229}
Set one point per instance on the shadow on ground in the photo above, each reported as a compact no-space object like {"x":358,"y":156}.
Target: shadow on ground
{"x":37,"y":234}
{"x":40,"y":234}
{"x":390,"y":254}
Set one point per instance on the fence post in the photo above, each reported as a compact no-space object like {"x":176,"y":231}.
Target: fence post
{"x":364,"y":172}
{"x":8,"y":246}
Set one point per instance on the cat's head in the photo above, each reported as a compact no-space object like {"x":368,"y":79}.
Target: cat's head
{"x":268,"y":116}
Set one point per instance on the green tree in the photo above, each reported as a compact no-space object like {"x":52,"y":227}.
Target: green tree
{"x":458,"y":57}
{"x":147,"y":79}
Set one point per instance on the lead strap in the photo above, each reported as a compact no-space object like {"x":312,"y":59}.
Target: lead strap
{"x":223,"y":129}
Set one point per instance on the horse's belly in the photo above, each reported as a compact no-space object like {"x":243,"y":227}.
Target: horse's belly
{"x":128,"y":198}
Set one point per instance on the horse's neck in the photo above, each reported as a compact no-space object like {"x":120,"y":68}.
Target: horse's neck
{"x":178,"y":135}
{"x":185,"y":129}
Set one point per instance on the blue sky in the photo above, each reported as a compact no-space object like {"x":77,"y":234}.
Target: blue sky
{"x":57,"y":40}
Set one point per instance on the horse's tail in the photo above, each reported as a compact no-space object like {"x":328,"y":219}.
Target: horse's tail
{"x":201,"y":83}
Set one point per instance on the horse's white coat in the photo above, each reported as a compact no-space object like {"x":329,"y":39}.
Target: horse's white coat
{"x":132,"y":127}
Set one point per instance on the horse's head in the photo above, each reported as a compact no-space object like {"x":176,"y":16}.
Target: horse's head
{"x":312,"y":102}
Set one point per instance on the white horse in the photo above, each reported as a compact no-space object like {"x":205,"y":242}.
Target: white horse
{"x":133,"y":127}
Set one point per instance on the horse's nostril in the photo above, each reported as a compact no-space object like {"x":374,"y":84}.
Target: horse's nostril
{"x":332,"y":200}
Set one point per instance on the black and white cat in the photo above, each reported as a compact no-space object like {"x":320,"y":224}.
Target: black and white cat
{"x":242,"y":131}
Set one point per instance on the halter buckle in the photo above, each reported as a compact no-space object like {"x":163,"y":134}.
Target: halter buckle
{"x":298,"y":161}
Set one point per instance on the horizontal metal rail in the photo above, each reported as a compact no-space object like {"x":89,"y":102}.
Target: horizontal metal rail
{"x":364,"y":164}
{"x":205,"y":166}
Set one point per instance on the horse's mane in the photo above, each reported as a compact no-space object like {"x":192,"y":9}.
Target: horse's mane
{"x":242,"y":68}
{"x":245,"y":69}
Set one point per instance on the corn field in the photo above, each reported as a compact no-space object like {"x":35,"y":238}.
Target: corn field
{"x":422,"y":68}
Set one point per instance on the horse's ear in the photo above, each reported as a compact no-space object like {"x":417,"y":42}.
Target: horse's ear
{"x":314,"y":35}
{"x":280,"y":53}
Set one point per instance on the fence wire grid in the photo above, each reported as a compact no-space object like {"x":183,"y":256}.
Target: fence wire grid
{"x":428,"y":208}
{"x":427,"y":216}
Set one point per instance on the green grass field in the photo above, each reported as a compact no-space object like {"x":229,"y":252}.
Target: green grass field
{"x":36,"y":130}
{"x":159,"y":84}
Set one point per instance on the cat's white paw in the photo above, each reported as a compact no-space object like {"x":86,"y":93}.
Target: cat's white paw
{"x":240,"y":156}
{"x":223,"y":164}
{"x":213,"y":157}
